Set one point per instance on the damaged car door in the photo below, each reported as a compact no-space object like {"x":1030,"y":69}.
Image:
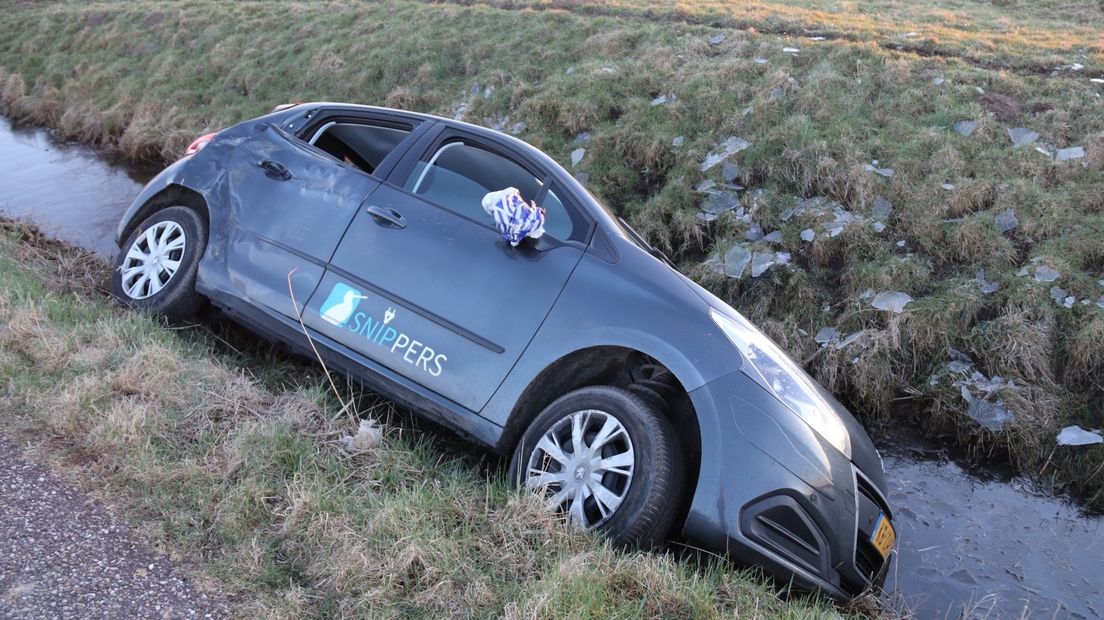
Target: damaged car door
{"x":292,"y":199}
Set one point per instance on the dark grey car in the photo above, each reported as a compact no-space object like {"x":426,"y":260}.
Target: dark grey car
{"x":638,"y":403}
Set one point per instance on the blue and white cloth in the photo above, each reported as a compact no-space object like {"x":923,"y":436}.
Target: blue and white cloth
{"x":514,"y":218}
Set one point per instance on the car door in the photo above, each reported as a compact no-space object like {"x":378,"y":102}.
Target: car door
{"x":292,"y":200}
{"x":423,"y":283}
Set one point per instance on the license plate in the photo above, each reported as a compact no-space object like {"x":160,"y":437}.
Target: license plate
{"x":884,"y":536}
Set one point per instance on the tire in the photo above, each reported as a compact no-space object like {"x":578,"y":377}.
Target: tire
{"x":650,"y":499}
{"x":176,"y":298}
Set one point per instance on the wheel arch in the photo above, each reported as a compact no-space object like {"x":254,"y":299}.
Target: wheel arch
{"x":173,"y":194}
{"x":607,"y":365}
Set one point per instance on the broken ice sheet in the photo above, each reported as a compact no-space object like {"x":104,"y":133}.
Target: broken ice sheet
{"x":761,"y":61}
{"x":1022,"y":136}
{"x":754,"y":232}
{"x":736,"y":259}
{"x":808,"y":234}
{"x":760,"y":262}
{"x":678,"y":141}
{"x":948,"y":186}
{"x":1046,"y":273}
{"x":893,"y":301}
{"x":842,"y":344}
{"x":882,"y":208}
{"x":729,"y":171}
{"x":1058,"y":294}
{"x":873,"y":167}
{"x":1073,"y":152}
{"x":1077,"y":436}
{"x":965,"y":128}
{"x":790,"y":50}
{"x":992,"y":416}
{"x":660,"y":100}
{"x":826,"y":335}
{"x":938,"y":80}
{"x":705,"y":186}
{"x":720,"y":202}
{"x":729,"y":147}
{"x":716,"y":39}
{"x":1006,"y":220}
{"x":577,"y":156}
{"x":987,"y":287}
{"x":582,"y":138}
{"x":773,"y":237}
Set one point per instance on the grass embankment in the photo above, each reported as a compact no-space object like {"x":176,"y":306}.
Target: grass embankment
{"x":247,"y":474}
{"x":145,"y":78}
{"x":1024,"y":35}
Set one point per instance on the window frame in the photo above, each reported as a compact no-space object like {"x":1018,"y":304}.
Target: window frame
{"x":319,"y":122}
{"x":582,"y":223}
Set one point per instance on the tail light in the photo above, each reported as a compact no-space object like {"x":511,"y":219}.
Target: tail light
{"x":199,"y":143}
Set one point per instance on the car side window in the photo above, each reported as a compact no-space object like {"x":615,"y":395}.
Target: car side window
{"x":459,"y":174}
{"x":362,"y":145}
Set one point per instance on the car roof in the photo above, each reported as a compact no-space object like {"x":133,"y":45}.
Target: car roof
{"x":476,"y":129}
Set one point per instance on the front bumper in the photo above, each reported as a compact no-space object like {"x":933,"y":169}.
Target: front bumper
{"x":773,"y":494}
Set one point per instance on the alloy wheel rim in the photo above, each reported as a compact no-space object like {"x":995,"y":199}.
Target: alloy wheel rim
{"x":584,"y":464}
{"x":153,"y":259}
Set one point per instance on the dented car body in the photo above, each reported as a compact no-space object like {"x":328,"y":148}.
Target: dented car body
{"x":357,"y":226}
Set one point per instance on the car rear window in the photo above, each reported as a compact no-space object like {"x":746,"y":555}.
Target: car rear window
{"x":358,"y":144}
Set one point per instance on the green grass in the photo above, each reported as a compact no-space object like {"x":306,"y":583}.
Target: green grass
{"x":1020,"y":35}
{"x":144,"y":78}
{"x":246,"y":474}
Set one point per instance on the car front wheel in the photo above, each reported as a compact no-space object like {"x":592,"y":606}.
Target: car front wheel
{"x":606,"y":459}
{"x":156,"y":266}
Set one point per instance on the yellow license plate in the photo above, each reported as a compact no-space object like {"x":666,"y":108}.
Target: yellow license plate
{"x":884,"y":536}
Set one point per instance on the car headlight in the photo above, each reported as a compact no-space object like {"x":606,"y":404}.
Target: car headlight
{"x":770,"y":367}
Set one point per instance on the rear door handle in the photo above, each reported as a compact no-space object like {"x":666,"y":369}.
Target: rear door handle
{"x":388,"y":216}
{"x":275,"y":170}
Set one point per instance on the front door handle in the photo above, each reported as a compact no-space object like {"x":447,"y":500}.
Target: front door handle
{"x":388,"y":216}
{"x":275,"y":170}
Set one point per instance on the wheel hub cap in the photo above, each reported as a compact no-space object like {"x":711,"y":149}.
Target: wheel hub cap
{"x":580,"y":473}
{"x":152,"y":260}
{"x":584,"y":465}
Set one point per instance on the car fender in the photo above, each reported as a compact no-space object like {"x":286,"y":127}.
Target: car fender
{"x":636,"y":303}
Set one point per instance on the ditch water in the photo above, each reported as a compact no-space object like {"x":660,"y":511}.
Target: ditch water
{"x":972,"y":541}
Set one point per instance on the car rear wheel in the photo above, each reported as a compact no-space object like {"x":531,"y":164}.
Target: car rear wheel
{"x":156,"y":266}
{"x":606,"y":459}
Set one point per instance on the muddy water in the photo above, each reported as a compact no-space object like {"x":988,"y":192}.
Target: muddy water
{"x":970,"y":540}
{"x":69,"y":191}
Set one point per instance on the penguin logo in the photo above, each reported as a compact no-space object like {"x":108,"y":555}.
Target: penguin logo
{"x":388,"y":315}
{"x":340,"y":305}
